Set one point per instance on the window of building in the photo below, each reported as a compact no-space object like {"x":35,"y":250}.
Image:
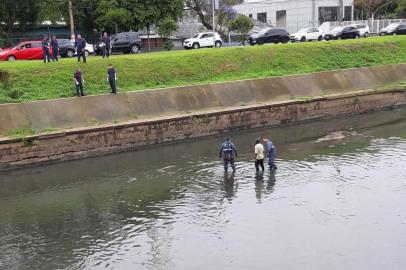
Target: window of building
{"x":348,"y":13}
{"x":250,"y":16}
{"x":262,"y":17}
{"x":328,"y":14}
{"x":281,"y":18}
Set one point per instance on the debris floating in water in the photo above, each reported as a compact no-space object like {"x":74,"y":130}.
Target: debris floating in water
{"x":338,"y":135}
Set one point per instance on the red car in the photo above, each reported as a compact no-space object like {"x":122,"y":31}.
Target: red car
{"x":27,"y":50}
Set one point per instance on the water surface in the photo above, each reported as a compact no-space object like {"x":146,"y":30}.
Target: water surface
{"x":338,"y":204}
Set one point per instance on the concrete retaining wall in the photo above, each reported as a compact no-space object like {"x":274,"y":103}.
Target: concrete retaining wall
{"x":132,"y":120}
{"x":145,"y":105}
{"x":86,"y":142}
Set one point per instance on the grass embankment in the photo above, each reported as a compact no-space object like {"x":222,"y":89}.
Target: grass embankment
{"x":33,"y":80}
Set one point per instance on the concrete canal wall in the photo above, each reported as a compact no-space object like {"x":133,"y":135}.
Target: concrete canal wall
{"x":98,"y":125}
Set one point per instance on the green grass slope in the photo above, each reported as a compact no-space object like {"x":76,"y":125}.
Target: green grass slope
{"x":33,"y":80}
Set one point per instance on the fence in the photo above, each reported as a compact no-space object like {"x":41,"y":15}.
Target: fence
{"x":374,"y":25}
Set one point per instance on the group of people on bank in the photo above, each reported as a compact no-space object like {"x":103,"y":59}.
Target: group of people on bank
{"x":80,"y":45}
{"x":50,"y":48}
{"x":80,"y":80}
{"x":228,"y":152}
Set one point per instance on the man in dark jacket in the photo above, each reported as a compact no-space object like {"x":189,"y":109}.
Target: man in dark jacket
{"x":228,"y":152}
{"x":78,"y":78}
{"x":80,"y":45}
{"x":111,"y":78}
{"x":271,"y":149}
{"x":55,"y":49}
{"x":45,"y":49}
{"x":106,"y":45}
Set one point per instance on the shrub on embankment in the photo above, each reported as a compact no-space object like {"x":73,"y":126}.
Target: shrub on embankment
{"x":33,"y":80}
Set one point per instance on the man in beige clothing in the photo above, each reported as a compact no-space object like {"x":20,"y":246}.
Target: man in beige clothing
{"x":259,"y":155}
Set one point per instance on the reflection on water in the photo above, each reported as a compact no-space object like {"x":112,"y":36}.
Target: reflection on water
{"x":333,"y":204}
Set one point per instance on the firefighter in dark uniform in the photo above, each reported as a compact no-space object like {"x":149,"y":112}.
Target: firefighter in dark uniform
{"x":80,"y":45}
{"x":55,"y":49}
{"x":106,"y":45}
{"x":45,"y":49}
{"x":270,"y":147}
{"x":111,"y":78}
{"x":228,"y":152}
{"x":79,"y":80}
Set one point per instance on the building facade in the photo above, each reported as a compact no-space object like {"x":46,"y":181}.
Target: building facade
{"x":296,"y":14}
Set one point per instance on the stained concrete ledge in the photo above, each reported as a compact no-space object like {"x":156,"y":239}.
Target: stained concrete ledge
{"x":143,"y":105}
{"x":110,"y":138}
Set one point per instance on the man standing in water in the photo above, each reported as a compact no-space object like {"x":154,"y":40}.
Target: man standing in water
{"x":270,"y":147}
{"x":228,"y":152}
{"x":259,"y":155}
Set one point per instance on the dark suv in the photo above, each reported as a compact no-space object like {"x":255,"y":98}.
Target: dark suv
{"x":66,"y":48}
{"x":126,"y":42}
{"x":270,"y":35}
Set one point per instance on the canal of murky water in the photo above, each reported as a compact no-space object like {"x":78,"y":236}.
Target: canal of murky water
{"x":333,"y":204}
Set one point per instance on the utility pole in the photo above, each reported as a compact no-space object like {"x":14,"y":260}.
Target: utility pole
{"x":214,"y":24}
{"x":72,"y":24}
{"x":341,"y":11}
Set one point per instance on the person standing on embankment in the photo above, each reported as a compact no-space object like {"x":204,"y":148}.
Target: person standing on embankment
{"x":79,"y":80}
{"x":106,"y":45}
{"x":112,"y":78}
{"x":80,"y":46}
{"x":45,"y":50}
{"x":55,"y":49}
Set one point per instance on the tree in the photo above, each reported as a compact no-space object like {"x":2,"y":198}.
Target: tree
{"x":401,"y":8}
{"x":124,"y":15}
{"x":111,"y":16}
{"x":17,"y":11}
{"x":242,"y":25}
{"x":225,"y":16}
{"x":203,"y":10}
{"x":165,"y":29}
{"x":370,"y":8}
{"x":153,"y":11}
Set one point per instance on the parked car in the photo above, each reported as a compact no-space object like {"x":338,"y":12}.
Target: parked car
{"x":342,"y":32}
{"x":270,"y":35}
{"x":89,"y":49}
{"x":201,"y":40}
{"x":126,"y":42}
{"x":394,"y":29}
{"x":66,"y":48}
{"x":307,"y":34}
{"x":363,"y":29}
{"x":27,"y":50}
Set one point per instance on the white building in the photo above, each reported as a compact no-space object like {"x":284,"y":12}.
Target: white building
{"x":296,"y":14}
